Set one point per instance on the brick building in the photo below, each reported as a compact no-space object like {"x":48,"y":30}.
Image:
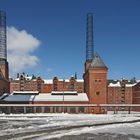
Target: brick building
{"x":23,"y":82}
{"x":94,"y":88}
{"x":120,"y":91}
{"x":26,"y":83}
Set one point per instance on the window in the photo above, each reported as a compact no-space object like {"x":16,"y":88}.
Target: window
{"x":47,"y":109}
{"x":72,"y":109}
{"x":38,"y":109}
{"x":81,"y":109}
{"x":72,"y":86}
{"x":64,"y":109}
{"x":55,"y":86}
{"x":56,"y":109}
{"x":98,"y":93}
{"x":29,"y":109}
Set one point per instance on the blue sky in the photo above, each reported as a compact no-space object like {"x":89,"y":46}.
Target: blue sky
{"x":60,"y":26}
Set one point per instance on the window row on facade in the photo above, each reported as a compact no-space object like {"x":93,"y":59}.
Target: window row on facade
{"x":46,"y":109}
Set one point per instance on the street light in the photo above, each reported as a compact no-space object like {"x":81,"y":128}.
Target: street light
{"x":63,"y":95}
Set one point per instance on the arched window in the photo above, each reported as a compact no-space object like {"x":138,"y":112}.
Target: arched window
{"x":72,"y":84}
{"x":55,"y":80}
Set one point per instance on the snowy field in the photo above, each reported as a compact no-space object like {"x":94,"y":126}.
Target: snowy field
{"x":70,"y":127}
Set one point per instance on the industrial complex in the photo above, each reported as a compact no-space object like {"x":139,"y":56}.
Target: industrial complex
{"x":94,"y":93}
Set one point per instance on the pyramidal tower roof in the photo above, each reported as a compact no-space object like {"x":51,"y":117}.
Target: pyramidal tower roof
{"x":97,"y":62}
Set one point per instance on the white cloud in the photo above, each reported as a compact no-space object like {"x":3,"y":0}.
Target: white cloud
{"x":21,"y":46}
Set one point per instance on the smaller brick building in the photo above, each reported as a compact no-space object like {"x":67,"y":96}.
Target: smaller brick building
{"x":136,"y":96}
{"x":120,"y":91}
{"x":123,"y":92}
{"x":23,"y":82}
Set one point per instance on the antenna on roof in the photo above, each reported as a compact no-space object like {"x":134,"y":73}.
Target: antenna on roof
{"x":75,"y":75}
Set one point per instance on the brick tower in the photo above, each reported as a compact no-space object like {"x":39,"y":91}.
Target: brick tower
{"x":95,"y":76}
{"x":3,"y":46}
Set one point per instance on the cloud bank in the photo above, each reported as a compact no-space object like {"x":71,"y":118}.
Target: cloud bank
{"x":21,"y":46}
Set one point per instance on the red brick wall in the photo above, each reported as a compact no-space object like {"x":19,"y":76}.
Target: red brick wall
{"x":136,"y":96}
{"x":114,"y":95}
{"x":61,"y":108}
{"x":39,"y":85}
{"x":5,"y":71}
{"x":97,"y":79}
{"x":96,"y":88}
{"x":4,"y":87}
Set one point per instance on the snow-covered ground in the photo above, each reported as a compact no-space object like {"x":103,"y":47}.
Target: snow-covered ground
{"x":69,"y":126}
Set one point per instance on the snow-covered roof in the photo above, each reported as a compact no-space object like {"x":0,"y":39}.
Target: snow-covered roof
{"x":61,"y":80}
{"x":74,"y":98}
{"x":130,"y":85}
{"x":80,"y":80}
{"x":19,"y":98}
{"x":138,"y":81}
{"x":49,"y":81}
{"x":118,"y":84}
{"x":67,"y":80}
{"x":26,"y":77}
{"x":115,"y":84}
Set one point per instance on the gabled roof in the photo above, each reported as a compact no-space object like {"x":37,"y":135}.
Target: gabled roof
{"x":79,"y":97}
{"x":19,"y":98}
{"x":117,"y":83}
{"x":97,"y":62}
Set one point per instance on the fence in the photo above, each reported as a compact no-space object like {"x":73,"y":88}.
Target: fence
{"x":69,"y":108}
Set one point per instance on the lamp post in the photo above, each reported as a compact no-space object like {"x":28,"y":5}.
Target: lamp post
{"x":115,"y":100}
{"x":63,"y":95}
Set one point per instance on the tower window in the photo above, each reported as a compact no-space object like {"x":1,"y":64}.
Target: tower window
{"x":98,"y":93}
{"x":97,"y":80}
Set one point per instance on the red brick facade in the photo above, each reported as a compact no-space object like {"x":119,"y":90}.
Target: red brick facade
{"x":120,"y":94}
{"x":4,"y":79}
{"x":22,"y":83}
{"x":96,"y":79}
{"x":99,"y":90}
{"x":25,"y":83}
{"x":4,"y":86}
{"x":5,"y":69}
